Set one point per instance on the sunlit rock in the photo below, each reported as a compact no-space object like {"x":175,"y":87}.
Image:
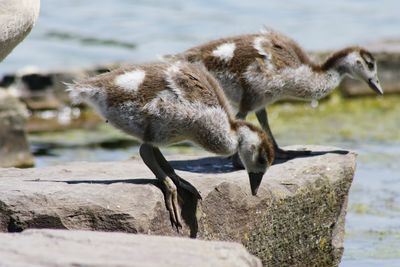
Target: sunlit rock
{"x":297,"y":218}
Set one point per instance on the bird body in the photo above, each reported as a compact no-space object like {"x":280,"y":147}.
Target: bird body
{"x":17,"y":18}
{"x":165,"y":103}
{"x":256,"y":70}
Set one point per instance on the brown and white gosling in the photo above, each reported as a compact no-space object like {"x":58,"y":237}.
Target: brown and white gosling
{"x":166,"y":103}
{"x":255,"y":70}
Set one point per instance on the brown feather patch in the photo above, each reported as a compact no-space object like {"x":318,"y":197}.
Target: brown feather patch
{"x":337,"y":56}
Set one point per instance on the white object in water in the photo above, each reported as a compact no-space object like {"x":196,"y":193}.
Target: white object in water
{"x":17,"y":18}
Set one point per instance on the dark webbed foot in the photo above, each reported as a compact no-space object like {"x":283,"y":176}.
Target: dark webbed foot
{"x":178,"y":181}
{"x":170,"y":182}
{"x":173,"y":199}
{"x":290,"y":154}
{"x":190,"y":194}
{"x":280,"y":154}
{"x":185,"y":185}
{"x":171,"y":203}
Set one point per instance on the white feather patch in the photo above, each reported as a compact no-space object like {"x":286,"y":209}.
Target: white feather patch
{"x":171,"y":72}
{"x":258,"y":45}
{"x":130,"y":81}
{"x":85,"y":93}
{"x":225,"y":51}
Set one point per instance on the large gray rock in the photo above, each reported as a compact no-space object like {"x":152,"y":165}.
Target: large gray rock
{"x":14,"y":147}
{"x":297,"y":218}
{"x":85,"y":248}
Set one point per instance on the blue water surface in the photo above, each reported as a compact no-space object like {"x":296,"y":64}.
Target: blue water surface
{"x":73,"y":33}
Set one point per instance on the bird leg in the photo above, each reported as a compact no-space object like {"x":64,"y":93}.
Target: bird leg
{"x":169,"y":170}
{"x":169,"y":188}
{"x":262,"y":118}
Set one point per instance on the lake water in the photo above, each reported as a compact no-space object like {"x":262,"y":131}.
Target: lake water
{"x":71,"y":33}
{"x":76,"y":33}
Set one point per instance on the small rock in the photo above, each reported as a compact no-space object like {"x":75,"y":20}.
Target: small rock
{"x":14,"y":147}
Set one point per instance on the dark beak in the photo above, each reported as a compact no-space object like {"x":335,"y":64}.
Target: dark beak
{"x":375,"y":85}
{"x":255,"y":181}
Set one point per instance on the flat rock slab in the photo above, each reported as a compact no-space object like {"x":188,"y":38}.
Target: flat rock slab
{"x":85,"y":248}
{"x":297,"y":218}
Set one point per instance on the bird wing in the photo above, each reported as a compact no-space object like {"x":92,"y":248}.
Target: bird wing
{"x":285,"y":52}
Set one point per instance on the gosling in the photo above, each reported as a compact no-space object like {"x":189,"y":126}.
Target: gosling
{"x":255,"y":70}
{"x":166,"y":103}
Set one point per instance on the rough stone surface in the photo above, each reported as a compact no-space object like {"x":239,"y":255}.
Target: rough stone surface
{"x":297,"y":218}
{"x":14,"y":147}
{"x":85,"y":248}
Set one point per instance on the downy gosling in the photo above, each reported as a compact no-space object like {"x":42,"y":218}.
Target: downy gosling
{"x":165,"y":103}
{"x":255,"y":70}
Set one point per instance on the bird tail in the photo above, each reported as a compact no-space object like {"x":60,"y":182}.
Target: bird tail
{"x":80,"y":93}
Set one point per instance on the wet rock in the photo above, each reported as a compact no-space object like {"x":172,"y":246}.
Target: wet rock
{"x":297,"y":218}
{"x":42,"y":90}
{"x":14,"y":147}
{"x":47,"y":101}
{"x":44,"y":94}
{"x":45,"y":90}
{"x":86,"y":248}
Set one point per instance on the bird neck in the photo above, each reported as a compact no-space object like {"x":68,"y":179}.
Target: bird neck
{"x":214,"y":132}
{"x":315,"y":81}
{"x":308,"y":83}
{"x":245,"y":132}
{"x":338,"y":61}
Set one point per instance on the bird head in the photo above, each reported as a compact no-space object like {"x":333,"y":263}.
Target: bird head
{"x":360,"y":64}
{"x":256,"y":152}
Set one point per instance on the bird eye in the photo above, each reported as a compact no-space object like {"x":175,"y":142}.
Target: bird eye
{"x":370,"y":65}
{"x":262,"y":160}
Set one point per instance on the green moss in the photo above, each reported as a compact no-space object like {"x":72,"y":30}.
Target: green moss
{"x":362,"y":208}
{"x":322,"y":243}
{"x":81,"y":137}
{"x":104,"y":135}
{"x":376,"y":244}
{"x":336,"y":119}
